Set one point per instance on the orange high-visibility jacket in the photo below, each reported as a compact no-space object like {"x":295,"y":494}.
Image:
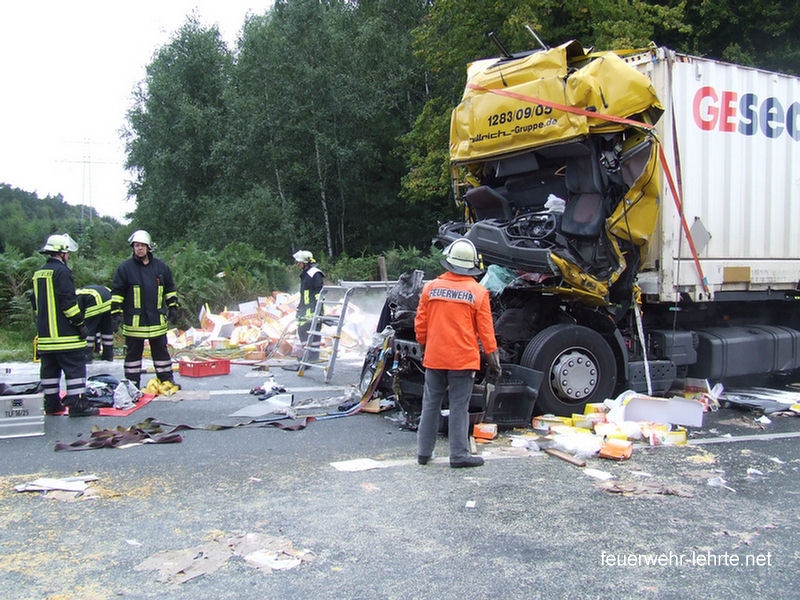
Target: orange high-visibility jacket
{"x":453,"y":314}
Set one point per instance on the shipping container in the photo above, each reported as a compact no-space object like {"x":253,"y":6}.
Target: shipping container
{"x":731,"y":135}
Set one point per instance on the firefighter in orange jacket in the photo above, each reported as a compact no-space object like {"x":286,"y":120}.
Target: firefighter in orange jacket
{"x":453,"y":316}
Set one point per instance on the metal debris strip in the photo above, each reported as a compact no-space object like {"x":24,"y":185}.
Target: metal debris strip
{"x":260,"y":551}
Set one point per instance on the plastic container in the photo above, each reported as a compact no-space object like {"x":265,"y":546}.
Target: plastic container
{"x":204,"y":368}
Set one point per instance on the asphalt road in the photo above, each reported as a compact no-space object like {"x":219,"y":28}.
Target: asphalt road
{"x":518,"y":527}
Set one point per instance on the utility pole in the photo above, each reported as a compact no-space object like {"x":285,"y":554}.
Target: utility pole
{"x":86,"y":183}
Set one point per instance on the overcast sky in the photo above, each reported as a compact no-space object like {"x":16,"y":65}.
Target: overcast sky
{"x":68,"y":70}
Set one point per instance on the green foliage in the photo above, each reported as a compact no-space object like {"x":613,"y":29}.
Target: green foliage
{"x":758,"y":33}
{"x":26,"y":220}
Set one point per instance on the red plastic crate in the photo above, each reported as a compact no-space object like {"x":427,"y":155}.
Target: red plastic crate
{"x":204,"y":368}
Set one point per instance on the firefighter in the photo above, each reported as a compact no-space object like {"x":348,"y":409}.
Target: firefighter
{"x":453,"y":317}
{"x":311,"y":281}
{"x":61,"y":331}
{"x":143,"y":298}
{"x":95,"y":301}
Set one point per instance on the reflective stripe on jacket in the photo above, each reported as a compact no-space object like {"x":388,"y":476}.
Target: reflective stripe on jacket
{"x":95,"y":300}
{"x":143,"y":293}
{"x":311,"y":282}
{"x":58,"y":314}
{"x":453,"y":315}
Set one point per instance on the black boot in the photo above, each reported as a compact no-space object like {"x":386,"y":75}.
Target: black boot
{"x":53,"y":406}
{"x":81,"y":408}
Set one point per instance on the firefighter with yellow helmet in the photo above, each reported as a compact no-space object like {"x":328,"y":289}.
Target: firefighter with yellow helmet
{"x":143,"y":299}
{"x":61,"y":330}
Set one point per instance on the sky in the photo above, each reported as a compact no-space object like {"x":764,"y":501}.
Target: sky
{"x":68,"y":70}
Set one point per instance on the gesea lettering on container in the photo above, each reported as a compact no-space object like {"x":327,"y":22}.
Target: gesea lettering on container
{"x":745,"y":114}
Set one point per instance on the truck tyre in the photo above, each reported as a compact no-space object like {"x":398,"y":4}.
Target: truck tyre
{"x":578,"y":366}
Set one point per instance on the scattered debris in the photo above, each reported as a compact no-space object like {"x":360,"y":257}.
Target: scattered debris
{"x":356,"y":464}
{"x":264,"y":552}
{"x":645,"y":489}
{"x":68,"y":484}
{"x":146,"y":432}
{"x":598,"y":474}
{"x":616,"y":449}
{"x":565,"y":457}
{"x":720,"y":482}
{"x":470,"y":504}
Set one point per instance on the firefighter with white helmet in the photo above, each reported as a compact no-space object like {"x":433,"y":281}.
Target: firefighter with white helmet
{"x":61,"y":331}
{"x":311,"y":282}
{"x":453,"y":317}
{"x":143,"y":299}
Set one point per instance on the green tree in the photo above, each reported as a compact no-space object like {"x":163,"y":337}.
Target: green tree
{"x":756,"y":33}
{"x":177,"y":118}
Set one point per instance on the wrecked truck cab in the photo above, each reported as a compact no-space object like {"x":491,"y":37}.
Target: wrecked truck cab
{"x":555,"y":167}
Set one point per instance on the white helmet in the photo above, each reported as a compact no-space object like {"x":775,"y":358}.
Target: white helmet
{"x":59,"y":242}
{"x":141,"y":236}
{"x":303,"y":256}
{"x":461,"y":258}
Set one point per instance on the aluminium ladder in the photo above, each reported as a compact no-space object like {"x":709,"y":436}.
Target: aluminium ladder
{"x":330,"y":297}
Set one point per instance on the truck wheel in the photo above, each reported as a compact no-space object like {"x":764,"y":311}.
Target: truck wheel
{"x":578,"y":366}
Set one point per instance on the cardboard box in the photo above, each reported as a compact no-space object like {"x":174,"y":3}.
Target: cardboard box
{"x":484,"y":431}
{"x":675,"y":410}
{"x":595,"y":407}
{"x":582,"y":421}
{"x":545,"y":422}
{"x":609,"y":430}
{"x":616,"y":449}
{"x":21,"y":416}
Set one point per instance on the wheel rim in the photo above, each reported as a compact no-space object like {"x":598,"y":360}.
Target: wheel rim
{"x":574,"y":375}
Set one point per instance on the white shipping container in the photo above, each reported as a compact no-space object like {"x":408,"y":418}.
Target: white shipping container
{"x":736,"y":131}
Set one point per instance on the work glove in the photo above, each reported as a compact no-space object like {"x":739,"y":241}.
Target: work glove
{"x":172,"y":314}
{"x":83,"y":331}
{"x":493,"y":365}
{"x":116,"y":321}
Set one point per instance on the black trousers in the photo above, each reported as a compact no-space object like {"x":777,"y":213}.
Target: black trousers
{"x":162,"y":361}
{"x":311,"y":341}
{"x":102,"y":332}
{"x":71,"y":364}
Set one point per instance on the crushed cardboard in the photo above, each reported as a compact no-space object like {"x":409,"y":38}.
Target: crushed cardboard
{"x":266,"y":328}
{"x":264,"y":552}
